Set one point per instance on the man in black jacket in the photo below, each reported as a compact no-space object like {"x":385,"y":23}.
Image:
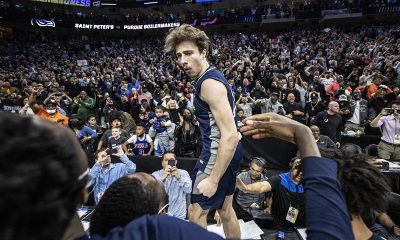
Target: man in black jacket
{"x":330,"y":122}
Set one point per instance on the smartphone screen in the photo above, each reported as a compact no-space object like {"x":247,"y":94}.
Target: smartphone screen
{"x":171,"y":163}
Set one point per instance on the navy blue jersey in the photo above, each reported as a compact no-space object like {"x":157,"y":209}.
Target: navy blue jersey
{"x":210,"y":133}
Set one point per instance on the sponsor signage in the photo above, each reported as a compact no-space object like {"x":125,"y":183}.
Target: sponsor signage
{"x":126,"y":27}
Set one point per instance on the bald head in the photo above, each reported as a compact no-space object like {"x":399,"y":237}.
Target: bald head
{"x":151,"y":184}
{"x":333,"y":107}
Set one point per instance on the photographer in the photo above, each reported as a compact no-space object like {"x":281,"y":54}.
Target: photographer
{"x":388,"y":121}
{"x":177,"y":184}
{"x":104,"y":173}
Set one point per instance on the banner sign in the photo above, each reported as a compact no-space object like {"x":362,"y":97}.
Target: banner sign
{"x":126,"y":27}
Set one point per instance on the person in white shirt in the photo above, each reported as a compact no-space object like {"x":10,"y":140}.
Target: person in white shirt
{"x":243,"y":103}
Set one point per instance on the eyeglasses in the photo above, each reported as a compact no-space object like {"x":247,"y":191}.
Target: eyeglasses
{"x":164,"y":210}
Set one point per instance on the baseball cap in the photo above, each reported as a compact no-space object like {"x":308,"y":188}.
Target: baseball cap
{"x":314,"y":95}
{"x":275,"y":93}
{"x":343,"y":98}
{"x":51,"y":101}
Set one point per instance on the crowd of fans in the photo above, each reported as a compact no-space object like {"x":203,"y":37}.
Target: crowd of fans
{"x":131,"y":83}
{"x":134,"y":17}
{"x":73,"y":14}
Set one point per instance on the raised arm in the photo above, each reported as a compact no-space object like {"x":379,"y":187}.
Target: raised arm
{"x":253,"y":102}
{"x":238,"y":101}
{"x":32,"y":101}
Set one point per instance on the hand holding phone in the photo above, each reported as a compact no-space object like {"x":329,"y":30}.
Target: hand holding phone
{"x":111,"y":151}
{"x":387,"y":111}
{"x":172,"y":163}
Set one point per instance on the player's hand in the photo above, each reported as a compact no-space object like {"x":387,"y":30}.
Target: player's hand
{"x":272,"y":125}
{"x":217,"y":218}
{"x":207,"y":187}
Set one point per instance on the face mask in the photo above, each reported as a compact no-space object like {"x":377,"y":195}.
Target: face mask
{"x":187,"y":117}
{"x":51,"y":111}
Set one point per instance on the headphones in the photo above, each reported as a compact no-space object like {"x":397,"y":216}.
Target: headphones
{"x":348,"y":150}
{"x":261,"y":161}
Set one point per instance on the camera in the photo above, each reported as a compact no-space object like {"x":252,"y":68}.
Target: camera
{"x":390,"y":110}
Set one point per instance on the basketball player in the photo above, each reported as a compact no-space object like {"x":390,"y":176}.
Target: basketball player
{"x":220,"y":156}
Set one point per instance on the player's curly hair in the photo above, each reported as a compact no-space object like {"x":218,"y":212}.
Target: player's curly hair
{"x":363,"y":185}
{"x":39,"y":184}
{"x":186,"y":32}
{"x":128,"y":198}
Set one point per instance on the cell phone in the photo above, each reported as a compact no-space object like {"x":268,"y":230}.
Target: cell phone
{"x":385,"y":166}
{"x":111,"y":151}
{"x":389,"y":110}
{"x":172,"y":163}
